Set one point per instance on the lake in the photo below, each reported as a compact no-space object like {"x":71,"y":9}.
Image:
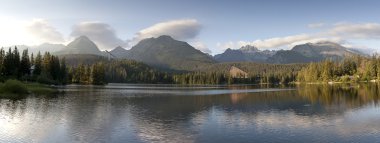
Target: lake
{"x":172,"y":113}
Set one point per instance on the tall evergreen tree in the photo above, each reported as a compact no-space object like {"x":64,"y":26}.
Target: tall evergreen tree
{"x":24,"y":64}
{"x":38,"y":65}
{"x":32,"y":59}
{"x":16,"y":62}
{"x":9,"y":67}
{"x":97,"y":74}
{"x":46,"y":65}
{"x":2,"y":56}
{"x":63,"y":73}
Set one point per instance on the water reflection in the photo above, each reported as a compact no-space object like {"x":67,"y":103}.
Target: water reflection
{"x":317,"y":113}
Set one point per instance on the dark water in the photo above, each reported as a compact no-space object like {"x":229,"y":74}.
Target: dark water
{"x":147,"y":113}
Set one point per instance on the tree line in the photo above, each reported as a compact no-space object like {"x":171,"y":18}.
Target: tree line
{"x":51,"y":69}
{"x":350,"y":69}
{"x":117,"y":71}
{"x":45,"y":68}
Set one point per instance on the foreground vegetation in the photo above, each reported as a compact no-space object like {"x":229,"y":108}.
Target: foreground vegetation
{"x":15,"y":89}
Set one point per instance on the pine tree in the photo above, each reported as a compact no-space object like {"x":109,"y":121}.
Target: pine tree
{"x":32,"y":59}
{"x":24,"y":64}
{"x":16,"y":63}
{"x":46,"y":65}
{"x":97,"y":74}
{"x":8,"y":63}
{"x":63,"y":74}
{"x":326,"y":71}
{"x":55,"y":67}
{"x":2,"y":56}
{"x":37,"y":65}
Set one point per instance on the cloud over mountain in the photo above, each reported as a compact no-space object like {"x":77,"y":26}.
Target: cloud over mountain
{"x":360,"y":31}
{"x":200,"y":46}
{"x":42,"y":30}
{"x":339,"y":33}
{"x":183,"y":29}
{"x":101,"y":33}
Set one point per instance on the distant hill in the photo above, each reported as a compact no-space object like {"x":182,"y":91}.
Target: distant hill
{"x":244,"y":54}
{"x":289,"y":56}
{"x":304,"y":53}
{"x":231,"y":55}
{"x":252,"y":67}
{"x":45,"y":47}
{"x":86,"y":59}
{"x":81,"y":45}
{"x":312,"y":52}
{"x":167,"y":53}
{"x":119,"y":52}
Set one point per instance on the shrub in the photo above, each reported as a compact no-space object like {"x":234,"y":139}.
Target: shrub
{"x":14,"y":86}
{"x":40,"y":89}
{"x":45,"y":80}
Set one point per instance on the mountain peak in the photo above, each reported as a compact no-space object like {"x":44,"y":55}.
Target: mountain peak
{"x":228,"y":49}
{"x":118,"y":49}
{"x":119,"y":52}
{"x":328,"y":43}
{"x":168,"y":53}
{"x":81,"y":45}
{"x":249,"y":49}
{"x":323,"y":50}
{"x":83,"y":37}
{"x":165,"y":37}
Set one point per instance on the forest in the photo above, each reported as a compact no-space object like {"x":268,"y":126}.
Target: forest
{"x":350,"y":69}
{"x":47,"y":68}
{"x":51,"y":69}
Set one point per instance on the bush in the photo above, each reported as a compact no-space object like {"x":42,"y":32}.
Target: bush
{"x":45,"y":80}
{"x":40,"y":89}
{"x":345,"y":78}
{"x":14,"y":86}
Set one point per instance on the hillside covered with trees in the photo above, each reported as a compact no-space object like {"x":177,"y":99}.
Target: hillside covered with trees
{"x":352,"y":69}
{"x":50,"y":69}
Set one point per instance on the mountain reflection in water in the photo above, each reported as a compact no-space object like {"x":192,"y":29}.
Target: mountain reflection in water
{"x":168,"y":113}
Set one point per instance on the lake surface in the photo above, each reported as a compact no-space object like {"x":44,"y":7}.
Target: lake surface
{"x":169,"y":113}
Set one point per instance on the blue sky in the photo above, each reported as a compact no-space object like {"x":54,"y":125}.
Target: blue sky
{"x":211,"y":26}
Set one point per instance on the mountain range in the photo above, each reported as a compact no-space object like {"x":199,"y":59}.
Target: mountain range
{"x":244,"y":54}
{"x":312,"y":52}
{"x":164,"y":52}
{"x":304,"y":53}
{"x":119,"y":52}
{"x":168,"y":53}
{"x":81,"y":45}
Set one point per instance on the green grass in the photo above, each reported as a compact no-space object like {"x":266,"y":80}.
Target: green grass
{"x":14,"y":89}
{"x":38,"y":88}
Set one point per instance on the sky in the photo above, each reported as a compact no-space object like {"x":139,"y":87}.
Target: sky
{"x":211,"y":26}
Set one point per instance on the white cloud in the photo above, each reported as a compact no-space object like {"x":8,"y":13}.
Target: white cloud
{"x":278,"y":41}
{"x":101,"y":33}
{"x":184,"y":29}
{"x":27,"y":32}
{"x":316,"y":25}
{"x":226,"y":45}
{"x":271,"y":43}
{"x":356,"y":31}
{"x":42,"y":30}
{"x":200,"y":46}
{"x":339,"y":33}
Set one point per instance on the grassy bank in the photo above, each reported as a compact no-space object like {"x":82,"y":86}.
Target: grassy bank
{"x":15,"y":89}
